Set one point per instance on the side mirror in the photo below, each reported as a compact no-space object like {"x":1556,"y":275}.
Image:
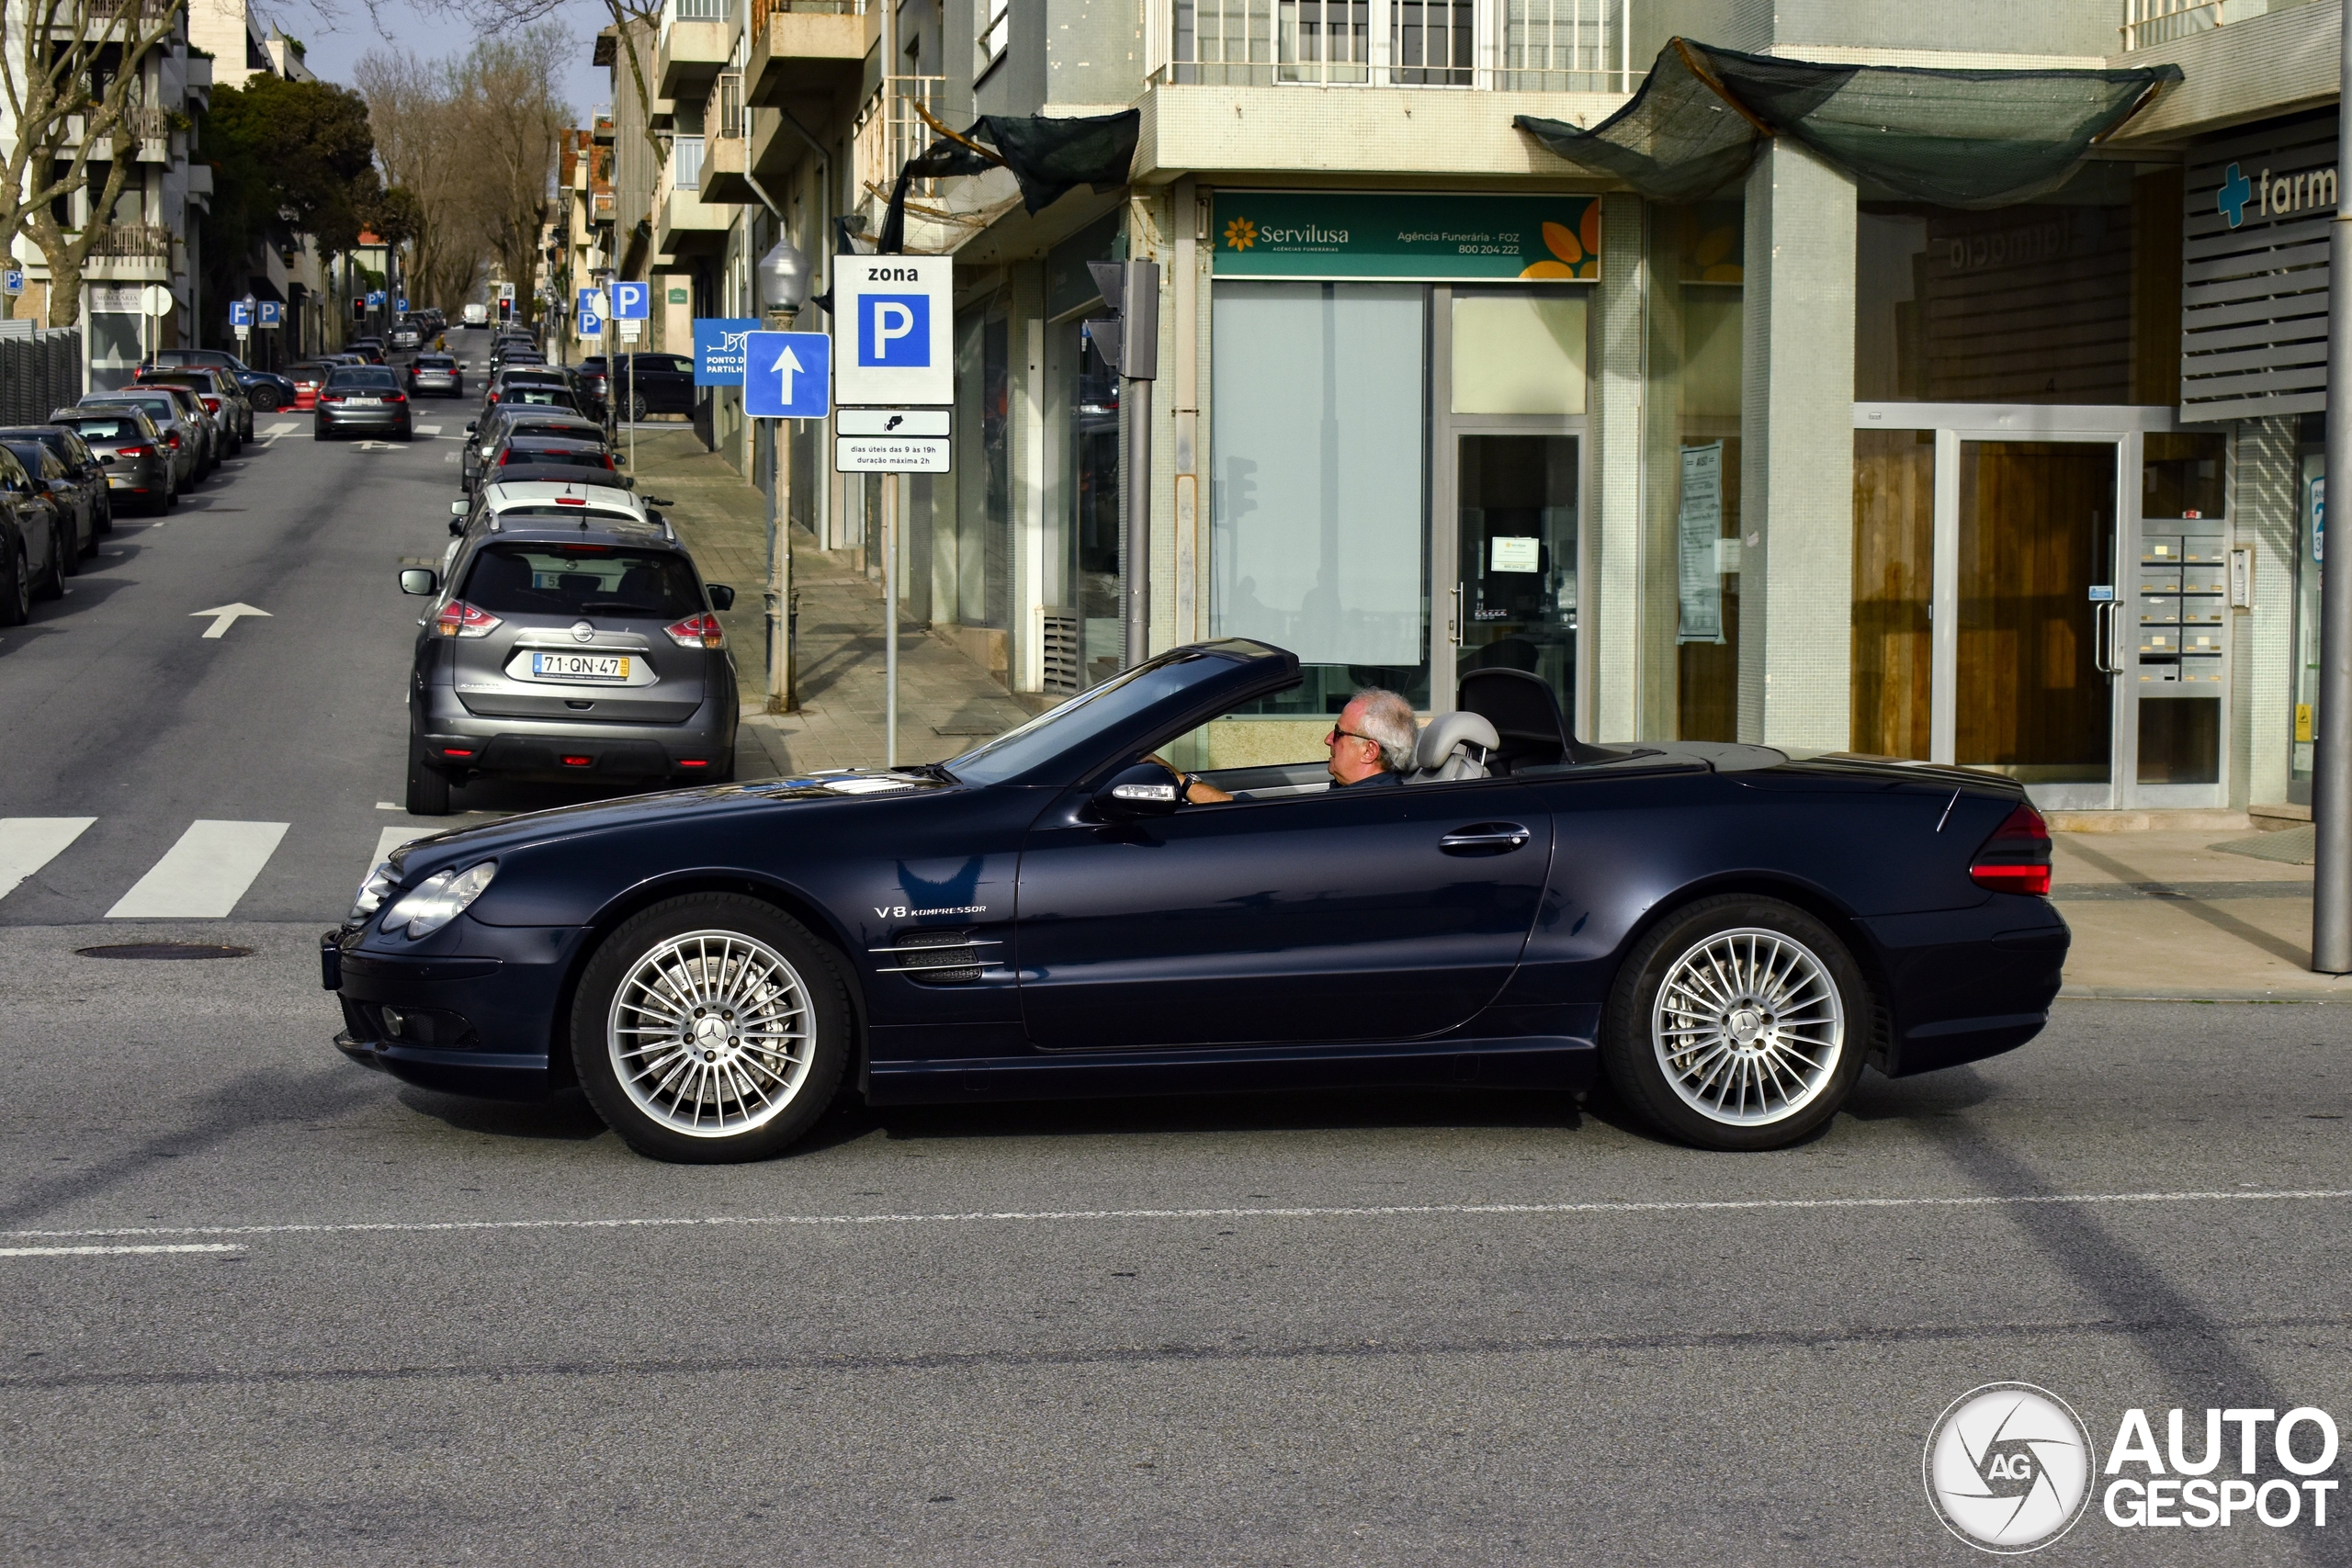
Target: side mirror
{"x":471,"y":425}
{"x":722,"y":597}
{"x":456,"y":528}
{"x":1144,"y":790}
{"x":459,"y":509}
{"x":659,"y":500}
{"x":420,"y":581}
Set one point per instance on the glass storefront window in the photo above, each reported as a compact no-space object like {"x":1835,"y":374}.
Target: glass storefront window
{"x":2073,"y":298}
{"x":1695,"y":327}
{"x":1519,"y":558}
{"x":1519,"y":353}
{"x":1895,"y":529}
{"x":1091,"y":481}
{"x":1318,"y":492}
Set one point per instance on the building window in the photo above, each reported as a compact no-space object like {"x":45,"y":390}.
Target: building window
{"x":997,"y":34}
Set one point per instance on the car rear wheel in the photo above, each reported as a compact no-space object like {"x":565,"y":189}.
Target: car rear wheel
{"x":16,"y":588}
{"x":52,"y":586}
{"x":1739,"y":1022}
{"x":428,"y":788}
{"x":711,"y":1029}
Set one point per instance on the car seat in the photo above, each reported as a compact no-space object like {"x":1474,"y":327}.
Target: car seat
{"x":1454,"y":746}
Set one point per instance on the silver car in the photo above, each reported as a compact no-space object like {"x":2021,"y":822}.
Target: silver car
{"x":440,"y":374}
{"x":139,"y":467}
{"x":184,"y":435}
{"x":571,"y":639}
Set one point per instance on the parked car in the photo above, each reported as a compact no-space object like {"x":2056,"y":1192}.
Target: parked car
{"x":307,"y":377}
{"x":484,"y":434}
{"x":368,"y":348}
{"x":139,"y":467}
{"x":222,"y":396}
{"x":653,"y":383}
{"x":505,"y":682}
{"x":266,"y":390}
{"x":595,"y":387}
{"x":366,"y":398}
{"x":188,"y":429}
{"x":406,"y":338}
{"x":76,"y":485}
{"x":436,"y":373}
{"x":530,"y":448}
{"x":35,"y":557}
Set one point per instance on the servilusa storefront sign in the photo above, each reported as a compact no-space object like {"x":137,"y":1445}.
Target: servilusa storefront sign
{"x":1375,"y":235}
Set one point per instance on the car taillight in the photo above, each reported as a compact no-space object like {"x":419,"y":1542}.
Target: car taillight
{"x":134,"y":451}
{"x":396,"y":397}
{"x":459,"y":618}
{"x":211,"y":405}
{"x":174,"y":440}
{"x":697,"y":631}
{"x":2015,"y":859}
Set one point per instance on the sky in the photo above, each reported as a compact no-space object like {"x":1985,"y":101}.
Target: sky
{"x":335,"y":35}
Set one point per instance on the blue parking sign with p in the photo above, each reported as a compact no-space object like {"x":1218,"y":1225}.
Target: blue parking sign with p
{"x":241,"y":314}
{"x":895,"y":332}
{"x":269,"y":313}
{"x":632,"y":301}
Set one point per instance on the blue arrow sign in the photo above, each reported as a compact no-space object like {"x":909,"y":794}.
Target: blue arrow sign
{"x":632,"y":301}
{"x":587,"y":305}
{"x":788,"y":374}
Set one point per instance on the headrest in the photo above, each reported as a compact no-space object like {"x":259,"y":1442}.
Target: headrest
{"x":1448,"y":730}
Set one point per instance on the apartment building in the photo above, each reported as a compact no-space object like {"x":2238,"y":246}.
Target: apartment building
{"x":1993,"y":442}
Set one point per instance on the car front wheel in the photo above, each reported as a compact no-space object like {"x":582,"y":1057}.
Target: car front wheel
{"x":16,"y":587}
{"x":1739,"y":1022}
{"x":711,"y":1029}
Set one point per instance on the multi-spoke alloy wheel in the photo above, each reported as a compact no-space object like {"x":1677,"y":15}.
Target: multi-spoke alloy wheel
{"x":1747,"y":1026}
{"x":711,"y":1027}
{"x":1736,"y":1022}
{"x":709,"y":1033}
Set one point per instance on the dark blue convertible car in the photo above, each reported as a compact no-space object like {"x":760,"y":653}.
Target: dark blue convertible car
{"x":1728,"y":933}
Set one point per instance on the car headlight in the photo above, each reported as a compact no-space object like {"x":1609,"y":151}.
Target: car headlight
{"x":378,"y":887}
{"x":439,"y":898}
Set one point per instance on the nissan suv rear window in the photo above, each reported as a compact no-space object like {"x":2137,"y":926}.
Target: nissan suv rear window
{"x":581,"y":579}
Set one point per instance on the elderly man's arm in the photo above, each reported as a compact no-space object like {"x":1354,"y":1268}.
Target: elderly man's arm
{"x":1197,"y":791}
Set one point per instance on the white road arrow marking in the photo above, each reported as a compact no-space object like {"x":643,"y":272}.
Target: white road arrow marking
{"x":789,"y":364}
{"x":224,"y":616}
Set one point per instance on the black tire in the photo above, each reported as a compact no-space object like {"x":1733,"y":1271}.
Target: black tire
{"x":69,"y":551}
{"x":17,"y":588}
{"x":105,"y":520}
{"x":814,"y":969}
{"x":1780,"y":1030}
{"x":264,"y":400}
{"x":428,"y":788}
{"x":638,"y":409}
{"x":53,"y":585}
{"x":171,"y":493}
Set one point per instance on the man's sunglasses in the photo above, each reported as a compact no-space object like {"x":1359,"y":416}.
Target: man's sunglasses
{"x":1338,"y":733}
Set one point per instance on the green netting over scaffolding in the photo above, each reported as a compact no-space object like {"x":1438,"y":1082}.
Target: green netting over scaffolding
{"x":1953,"y":138}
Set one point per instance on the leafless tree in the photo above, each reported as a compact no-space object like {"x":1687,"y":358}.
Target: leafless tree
{"x":506,"y":89}
{"x":71,"y":70}
{"x":422,"y":142}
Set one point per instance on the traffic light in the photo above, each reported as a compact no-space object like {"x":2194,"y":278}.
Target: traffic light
{"x":505,"y":308}
{"x":359,"y":308}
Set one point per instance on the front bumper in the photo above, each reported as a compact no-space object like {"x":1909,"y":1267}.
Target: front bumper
{"x":478,"y":1019}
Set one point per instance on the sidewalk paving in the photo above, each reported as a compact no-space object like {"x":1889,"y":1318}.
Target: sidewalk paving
{"x":947,"y":704}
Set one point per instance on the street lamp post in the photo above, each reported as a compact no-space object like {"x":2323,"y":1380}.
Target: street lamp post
{"x":783,"y":276}
{"x":2332,"y":767}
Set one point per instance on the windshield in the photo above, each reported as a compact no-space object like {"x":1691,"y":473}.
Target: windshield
{"x":581,"y":579}
{"x":110,"y":427}
{"x":1076,"y":722}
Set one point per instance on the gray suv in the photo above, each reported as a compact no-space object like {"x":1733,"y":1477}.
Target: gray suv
{"x":573,"y":639}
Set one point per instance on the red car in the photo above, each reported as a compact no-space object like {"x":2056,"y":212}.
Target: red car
{"x":307,"y":377}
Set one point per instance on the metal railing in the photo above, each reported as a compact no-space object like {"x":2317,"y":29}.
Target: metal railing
{"x":2147,"y":23}
{"x":890,"y":132}
{"x":763,"y":9}
{"x":131,"y":240}
{"x":722,"y":112}
{"x":1552,"y":46}
{"x":702,"y":10}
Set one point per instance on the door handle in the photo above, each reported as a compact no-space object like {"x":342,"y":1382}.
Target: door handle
{"x":1485,"y":838}
{"x":2103,"y":653}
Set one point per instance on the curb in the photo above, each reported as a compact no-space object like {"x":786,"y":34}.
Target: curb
{"x":2152,"y":994}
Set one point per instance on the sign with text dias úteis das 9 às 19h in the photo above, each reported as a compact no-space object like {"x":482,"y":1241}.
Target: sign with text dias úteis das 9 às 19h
{"x":1553,"y":239}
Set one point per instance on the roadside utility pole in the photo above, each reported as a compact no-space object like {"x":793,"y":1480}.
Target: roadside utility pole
{"x":2332,"y":769}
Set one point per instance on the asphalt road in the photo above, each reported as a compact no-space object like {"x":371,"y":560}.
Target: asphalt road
{"x":260,"y":1305}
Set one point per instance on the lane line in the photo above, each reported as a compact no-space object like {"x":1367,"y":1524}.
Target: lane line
{"x":1385,"y":1210}
{"x":204,"y":874}
{"x":283,"y":427}
{"x":428,"y":430}
{"x":113,"y":1251}
{"x":28,"y":843}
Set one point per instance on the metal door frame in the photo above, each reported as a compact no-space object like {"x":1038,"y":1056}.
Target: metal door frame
{"x":2121,"y":425}
{"x":1446,"y":428}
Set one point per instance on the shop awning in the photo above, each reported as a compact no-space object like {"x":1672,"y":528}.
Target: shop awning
{"x":1954,"y":137}
{"x":1050,"y":156}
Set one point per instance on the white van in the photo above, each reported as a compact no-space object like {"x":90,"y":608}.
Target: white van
{"x":477,"y":315}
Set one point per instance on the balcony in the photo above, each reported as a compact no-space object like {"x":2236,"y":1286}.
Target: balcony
{"x":130,"y":252}
{"x":149,"y":127}
{"x":2149,"y":23}
{"x":890,"y":132}
{"x":684,"y":224}
{"x":1527,"y":46}
{"x":694,"y":48}
{"x":723,"y":146}
{"x":804,"y":47}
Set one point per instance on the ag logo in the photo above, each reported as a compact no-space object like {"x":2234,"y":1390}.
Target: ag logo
{"x":2009,"y":1467}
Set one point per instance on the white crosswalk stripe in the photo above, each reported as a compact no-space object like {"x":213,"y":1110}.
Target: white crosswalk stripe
{"x":428,"y":430}
{"x":204,"y":874}
{"x":28,"y":843}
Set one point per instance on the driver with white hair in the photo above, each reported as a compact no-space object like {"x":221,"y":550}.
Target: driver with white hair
{"x":1371,"y":745}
